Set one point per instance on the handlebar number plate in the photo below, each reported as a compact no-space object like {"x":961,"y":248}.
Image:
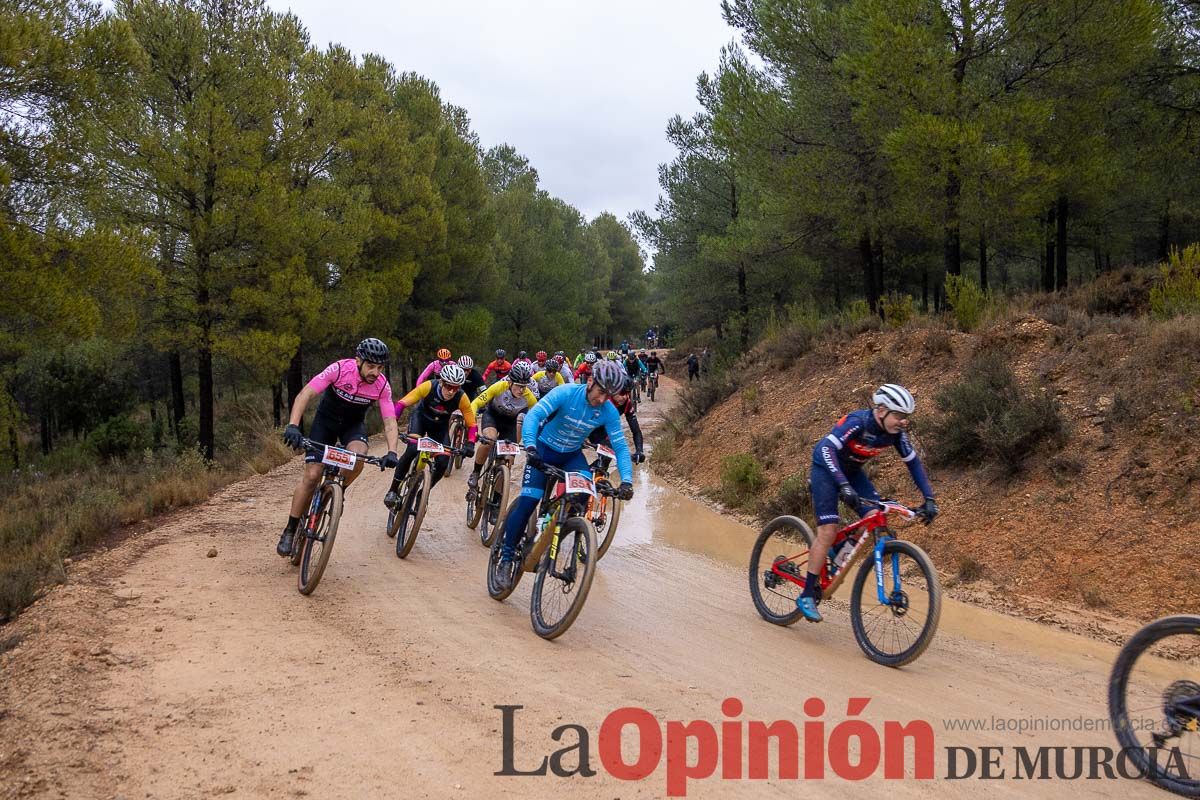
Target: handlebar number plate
{"x":337,"y":457}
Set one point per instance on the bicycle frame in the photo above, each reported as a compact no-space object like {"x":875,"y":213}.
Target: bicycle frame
{"x":560,"y":508}
{"x":874,"y":524}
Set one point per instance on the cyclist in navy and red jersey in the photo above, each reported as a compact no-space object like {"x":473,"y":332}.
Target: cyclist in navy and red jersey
{"x":837,"y":473}
{"x":347,"y":389}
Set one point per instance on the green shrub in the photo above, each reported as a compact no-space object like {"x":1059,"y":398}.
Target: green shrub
{"x":118,"y":437}
{"x":792,"y":497}
{"x":750,"y":401}
{"x":1177,"y":290}
{"x":897,"y":308}
{"x":857,"y":311}
{"x":987,"y":417}
{"x":741,"y":479}
{"x":967,"y":301}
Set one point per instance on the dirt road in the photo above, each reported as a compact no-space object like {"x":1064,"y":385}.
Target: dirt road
{"x":159,"y":672}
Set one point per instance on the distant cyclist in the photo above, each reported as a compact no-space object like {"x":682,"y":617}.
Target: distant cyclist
{"x":500,"y":367}
{"x":499,"y":408}
{"x":435,"y":366}
{"x":623,"y":400}
{"x":347,"y":389}
{"x":837,"y":473}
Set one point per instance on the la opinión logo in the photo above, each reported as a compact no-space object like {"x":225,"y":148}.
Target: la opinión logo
{"x":740,"y":748}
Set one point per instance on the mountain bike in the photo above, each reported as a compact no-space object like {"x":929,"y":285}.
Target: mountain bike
{"x":604,"y":510}
{"x":652,"y":385}
{"x":489,"y":505}
{"x":457,"y":437}
{"x":559,"y":544}
{"x":314,"y":538}
{"x":405,"y":518}
{"x":1154,"y":703}
{"x":894,"y":629}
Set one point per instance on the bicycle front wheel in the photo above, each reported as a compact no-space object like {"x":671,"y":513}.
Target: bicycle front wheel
{"x":456,"y":441}
{"x":494,"y":500}
{"x":412,"y":511}
{"x":778,"y":566}
{"x":1154,"y":703}
{"x":318,"y":543}
{"x":896,"y":631}
{"x":564,"y":577}
{"x":497,"y":588}
{"x":606,"y":523}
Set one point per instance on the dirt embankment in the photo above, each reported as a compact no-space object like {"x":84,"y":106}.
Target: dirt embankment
{"x":1090,"y":537}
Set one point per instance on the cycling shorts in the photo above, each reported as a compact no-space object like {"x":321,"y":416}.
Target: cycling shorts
{"x":825,"y":492}
{"x":326,"y":431}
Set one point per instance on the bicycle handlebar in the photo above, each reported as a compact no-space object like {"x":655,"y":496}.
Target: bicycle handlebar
{"x":918,"y":512}
{"x":319,"y":447}
{"x":451,"y":451}
{"x":602,"y":486}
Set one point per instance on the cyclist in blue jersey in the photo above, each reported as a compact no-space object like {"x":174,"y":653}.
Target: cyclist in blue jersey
{"x":836,"y":472}
{"x":554,"y":432}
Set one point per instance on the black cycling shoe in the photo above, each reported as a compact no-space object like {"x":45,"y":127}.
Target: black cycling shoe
{"x":284,"y":548}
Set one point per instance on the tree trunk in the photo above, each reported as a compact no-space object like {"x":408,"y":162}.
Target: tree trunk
{"x":277,"y":402}
{"x":178,"y":409}
{"x":924,"y":290}
{"x":877,"y":259}
{"x":1048,"y":258}
{"x":1164,"y":233}
{"x":205,"y":373}
{"x":295,"y":379}
{"x":47,"y":439}
{"x":12,"y":444}
{"x":952,"y":256}
{"x":868,"y":264}
{"x":983,"y":265}
{"x":1096,"y":267}
{"x":743,"y":306}
{"x":1061,"y":243}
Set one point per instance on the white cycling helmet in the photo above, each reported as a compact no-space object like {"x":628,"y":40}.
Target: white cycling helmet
{"x":466,"y":362}
{"x":590,"y":358}
{"x":894,"y":397}
{"x":452,"y":373}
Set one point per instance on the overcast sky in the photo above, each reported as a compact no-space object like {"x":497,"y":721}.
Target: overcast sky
{"x":583,"y":89}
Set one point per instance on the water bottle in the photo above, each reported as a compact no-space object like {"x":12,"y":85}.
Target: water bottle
{"x":842,"y":556}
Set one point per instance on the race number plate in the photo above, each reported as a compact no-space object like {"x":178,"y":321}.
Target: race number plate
{"x":427,"y":445}
{"x":507,"y":448}
{"x":606,"y":452}
{"x":337,"y":457}
{"x":579,"y":483}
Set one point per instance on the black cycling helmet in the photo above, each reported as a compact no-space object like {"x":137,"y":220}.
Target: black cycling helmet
{"x":520,"y":373}
{"x":500,"y":354}
{"x":522,"y":354}
{"x":372,"y":351}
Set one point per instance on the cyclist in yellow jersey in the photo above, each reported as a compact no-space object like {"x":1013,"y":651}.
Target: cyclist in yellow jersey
{"x":499,"y":408}
{"x":435,"y":401}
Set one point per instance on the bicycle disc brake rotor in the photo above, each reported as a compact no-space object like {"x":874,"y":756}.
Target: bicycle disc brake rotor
{"x":898,"y":602}
{"x":1179,"y":718}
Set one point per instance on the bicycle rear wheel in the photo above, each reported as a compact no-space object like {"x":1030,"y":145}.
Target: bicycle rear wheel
{"x":494,"y":500}
{"x":1154,"y":703}
{"x":318,"y":544}
{"x":412,"y":511}
{"x":778,"y":565}
{"x":897,"y":632}
{"x":564,"y":577}
{"x":456,"y":441}
{"x":475,"y":504}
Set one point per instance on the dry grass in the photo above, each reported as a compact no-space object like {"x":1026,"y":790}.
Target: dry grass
{"x":44,"y":518}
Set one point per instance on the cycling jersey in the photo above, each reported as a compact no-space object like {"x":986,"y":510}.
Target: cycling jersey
{"x":545,"y":383}
{"x":500,"y":400}
{"x":654,"y":364}
{"x":566,"y":372}
{"x":634,"y":367}
{"x":499,"y":366}
{"x":583,"y":372}
{"x":434,"y":408}
{"x":563,"y":420}
{"x":857,"y":438}
{"x":474,"y":383}
{"x":347,"y":396}
{"x":629,"y":411}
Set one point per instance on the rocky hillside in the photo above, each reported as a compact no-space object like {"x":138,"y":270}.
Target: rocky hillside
{"x":1097,"y":516}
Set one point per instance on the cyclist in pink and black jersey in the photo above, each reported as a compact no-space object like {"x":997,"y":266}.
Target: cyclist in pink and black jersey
{"x":347,"y":388}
